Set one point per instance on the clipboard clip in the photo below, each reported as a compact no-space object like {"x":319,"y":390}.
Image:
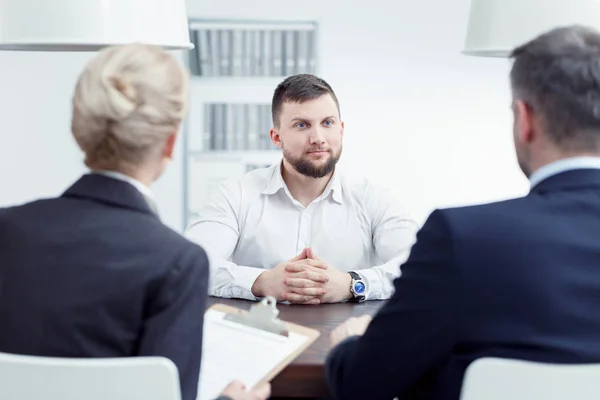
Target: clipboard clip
{"x":262,"y":315}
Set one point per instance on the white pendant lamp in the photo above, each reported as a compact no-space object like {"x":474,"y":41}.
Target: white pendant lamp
{"x":89,"y":25}
{"x":496,"y":27}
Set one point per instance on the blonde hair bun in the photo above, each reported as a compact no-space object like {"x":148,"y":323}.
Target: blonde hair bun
{"x":121,"y":98}
{"x":127,"y":101}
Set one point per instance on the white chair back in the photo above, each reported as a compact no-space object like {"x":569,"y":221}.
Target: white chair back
{"x":126,"y":378}
{"x":505,"y":379}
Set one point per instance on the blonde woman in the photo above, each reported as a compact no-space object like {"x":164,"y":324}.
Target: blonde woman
{"x":94,"y":272}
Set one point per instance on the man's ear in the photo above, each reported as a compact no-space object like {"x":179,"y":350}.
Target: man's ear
{"x":169,"y":147}
{"x":275,"y":138}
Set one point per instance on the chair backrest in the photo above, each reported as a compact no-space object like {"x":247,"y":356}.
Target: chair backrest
{"x":501,"y":379}
{"x":126,"y":378}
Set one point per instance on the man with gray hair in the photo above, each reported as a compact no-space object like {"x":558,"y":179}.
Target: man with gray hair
{"x":514,"y":279}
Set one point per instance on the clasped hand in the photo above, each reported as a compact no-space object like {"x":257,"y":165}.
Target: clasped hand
{"x":304,"y":279}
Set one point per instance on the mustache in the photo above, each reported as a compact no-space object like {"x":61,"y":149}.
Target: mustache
{"x":316,"y":149}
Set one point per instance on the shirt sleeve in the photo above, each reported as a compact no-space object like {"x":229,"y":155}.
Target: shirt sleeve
{"x":217,"y":232}
{"x":393,"y":232}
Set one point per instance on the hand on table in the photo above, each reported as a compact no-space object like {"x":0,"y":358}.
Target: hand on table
{"x":237,"y":391}
{"x":304,"y":279}
{"x":337,"y":287}
{"x":304,"y":271}
{"x":355,"y":326}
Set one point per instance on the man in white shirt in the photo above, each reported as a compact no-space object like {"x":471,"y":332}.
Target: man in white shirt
{"x":300,"y":231}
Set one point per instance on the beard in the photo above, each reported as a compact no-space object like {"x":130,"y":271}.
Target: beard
{"x":309,"y":168}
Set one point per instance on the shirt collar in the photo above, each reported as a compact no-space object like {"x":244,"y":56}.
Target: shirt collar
{"x":143,"y":189}
{"x":276,"y":183}
{"x":566,"y":164}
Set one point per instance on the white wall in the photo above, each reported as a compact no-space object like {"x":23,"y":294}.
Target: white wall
{"x":40,"y":158}
{"x":432,"y":124}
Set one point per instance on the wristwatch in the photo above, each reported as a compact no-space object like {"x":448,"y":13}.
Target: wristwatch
{"x":358,"y":287}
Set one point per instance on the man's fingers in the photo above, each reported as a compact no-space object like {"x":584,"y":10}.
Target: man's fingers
{"x":295,"y":267}
{"x":300,"y":256}
{"x":315,"y":263}
{"x":308,"y":291}
{"x":314,"y":276}
{"x":298,"y":298}
{"x":236,"y":385}
{"x":311,"y":254}
{"x":234,"y":389}
{"x":304,"y":265}
{"x":261,"y":393}
{"x":301,"y":283}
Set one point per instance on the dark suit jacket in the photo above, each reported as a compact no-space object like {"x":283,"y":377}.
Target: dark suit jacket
{"x":514,"y":279}
{"x":94,"y":273}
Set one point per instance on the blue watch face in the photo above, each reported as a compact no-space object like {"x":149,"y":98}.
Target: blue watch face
{"x":359,"y":288}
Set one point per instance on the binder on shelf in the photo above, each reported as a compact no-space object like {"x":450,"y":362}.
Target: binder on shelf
{"x":252,"y":49}
{"x":224,"y":52}
{"x":302,"y":52}
{"x":251,"y":346}
{"x":246,"y":53}
{"x":204,"y":55}
{"x":265,"y":128}
{"x":311,"y":53}
{"x":277,"y":55}
{"x":290,"y":46}
{"x":213,"y":38}
{"x":257,"y":54}
{"x":253,"y":127}
{"x":237,"y":53}
{"x":264,"y":64}
{"x":207,"y":135}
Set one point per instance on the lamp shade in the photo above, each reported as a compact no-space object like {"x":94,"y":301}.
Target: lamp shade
{"x":89,"y":25}
{"x":496,"y":27}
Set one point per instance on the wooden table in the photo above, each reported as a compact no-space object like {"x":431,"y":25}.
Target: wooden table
{"x":304,"y":378}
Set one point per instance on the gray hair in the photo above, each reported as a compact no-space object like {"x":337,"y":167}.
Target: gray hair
{"x":558,"y":75}
{"x":127,"y":101}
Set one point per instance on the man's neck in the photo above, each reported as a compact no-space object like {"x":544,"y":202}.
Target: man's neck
{"x":303,"y":188}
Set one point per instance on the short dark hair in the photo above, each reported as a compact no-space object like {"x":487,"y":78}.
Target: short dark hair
{"x":298,"y":89}
{"x":557,"y":74}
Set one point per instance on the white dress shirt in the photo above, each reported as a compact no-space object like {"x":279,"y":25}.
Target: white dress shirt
{"x":254,"y":223}
{"x":566,"y":164}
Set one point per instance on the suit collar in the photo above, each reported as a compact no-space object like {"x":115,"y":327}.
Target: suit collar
{"x":563,"y":165}
{"x":109,"y":190}
{"x":569,"y":180}
{"x":145,"y":190}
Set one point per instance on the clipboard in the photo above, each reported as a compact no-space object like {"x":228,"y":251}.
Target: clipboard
{"x":288,"y":341}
